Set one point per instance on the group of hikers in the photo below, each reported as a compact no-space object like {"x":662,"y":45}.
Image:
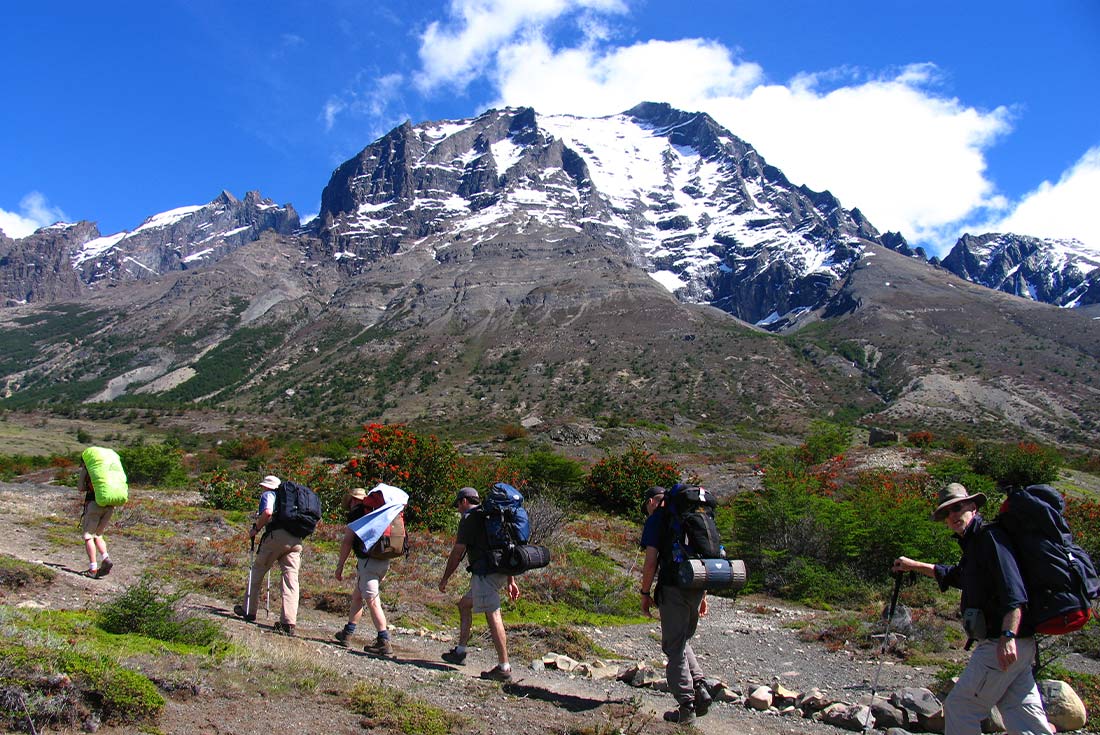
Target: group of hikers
{"x":994,"y":598}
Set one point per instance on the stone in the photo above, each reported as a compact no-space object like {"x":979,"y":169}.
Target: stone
{"x":856,"y":717}
{"x":813,"y":701}
{"x":886,"y":714}
{"x":1064,"y":708}
{"x":880,"y":437}
{"x":917,"y":700}
{"x":760,"y":699}
{"x":782,"y":696}
{"x":993,"y":723}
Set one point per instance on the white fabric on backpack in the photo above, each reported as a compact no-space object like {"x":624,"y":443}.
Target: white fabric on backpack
{"x":371,"y":526}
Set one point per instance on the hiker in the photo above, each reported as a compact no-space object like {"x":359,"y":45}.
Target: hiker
{"x":371,"y":570}
{"x":993,"y":597}
{"x":680,"y":612}
{"x":276,"y":545}
{"x":353,"y":511}
{"x":102,"y":493}
{"x":484,"y":593}
{"x":654,"y":496}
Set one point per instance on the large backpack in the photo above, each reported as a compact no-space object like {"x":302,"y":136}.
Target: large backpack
{"x":394,"y":541}
{"x":107,"y":476}
{"x":1060,"y":578}
{"x":507,"y":532}
{"x":692,"y":548}
{"x":297,"y":509}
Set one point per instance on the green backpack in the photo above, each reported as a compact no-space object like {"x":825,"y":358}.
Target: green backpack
{"x":107,"y":476}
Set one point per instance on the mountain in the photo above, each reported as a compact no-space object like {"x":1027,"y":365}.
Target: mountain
{"x":65,"y":260}
{"x":530,"y":269}
{"x":1060,"y":272}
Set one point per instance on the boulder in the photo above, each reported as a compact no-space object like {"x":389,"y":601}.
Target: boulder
{"x":993,"y":723}
{"x":886,"y":714}
{"x":1064,"y":708}
{"x":782,"y":696}
{"x":814,"y":700}
{"x":881,"y":437}
{"x":922,"y":707}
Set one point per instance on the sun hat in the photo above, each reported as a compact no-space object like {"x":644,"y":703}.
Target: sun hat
{"x":271,"y":482}
{"x":953,"y":494}
{"x":650,"y":494}
{"x":468,"y":493}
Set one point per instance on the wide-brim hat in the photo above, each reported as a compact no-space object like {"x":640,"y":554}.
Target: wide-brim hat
{"x":271,"y":482}
{"x":356,"y":493}
{"x":954,"y":494}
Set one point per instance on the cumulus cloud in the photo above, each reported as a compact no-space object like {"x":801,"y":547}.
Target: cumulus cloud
{"x":1065,"y":209}
{"x":35,"y":212}
{"x":454,"y":53}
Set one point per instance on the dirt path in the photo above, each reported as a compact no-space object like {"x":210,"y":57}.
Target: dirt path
{"x":739,"y":642}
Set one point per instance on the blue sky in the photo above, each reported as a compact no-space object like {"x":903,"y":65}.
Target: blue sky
{"x":933,"y":117}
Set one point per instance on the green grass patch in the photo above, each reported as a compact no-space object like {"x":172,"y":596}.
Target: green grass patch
{"x":393,"y":710}
{"x":16,"y":573}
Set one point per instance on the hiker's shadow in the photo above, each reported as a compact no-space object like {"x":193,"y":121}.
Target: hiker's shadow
{"x":568,"y":702}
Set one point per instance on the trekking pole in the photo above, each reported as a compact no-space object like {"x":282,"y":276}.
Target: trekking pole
{"x":898,"y":576}
{"x":248,"y":589}
{"x":268,"y":578}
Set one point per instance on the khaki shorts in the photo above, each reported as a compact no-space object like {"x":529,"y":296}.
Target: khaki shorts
{"x":485,"y":591}
{"x":95,"y":519}
{"x":371,"y":573}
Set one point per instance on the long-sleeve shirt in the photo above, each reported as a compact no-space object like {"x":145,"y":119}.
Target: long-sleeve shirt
{"x":988,"y":576}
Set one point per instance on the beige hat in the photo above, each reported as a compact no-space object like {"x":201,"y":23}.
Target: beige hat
{"x":952,"y":494}
{"x":271,"y":482}
{"x":358,"y":493}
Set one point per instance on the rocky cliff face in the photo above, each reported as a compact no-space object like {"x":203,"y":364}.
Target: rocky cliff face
{"x":1060,"y":272}
{"x":64,"y":260}
{"x":673,"y":192}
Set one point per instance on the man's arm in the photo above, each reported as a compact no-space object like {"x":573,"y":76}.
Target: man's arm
{"x":649,"y":571}
{"x":453,"y":560}
{"x":345,"y":549}
{"x":905,"y":564}
{"x":262,"y":519}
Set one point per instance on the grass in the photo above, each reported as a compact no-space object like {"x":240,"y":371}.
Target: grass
{"x":393,"y":710}
{"x":16,"y":573}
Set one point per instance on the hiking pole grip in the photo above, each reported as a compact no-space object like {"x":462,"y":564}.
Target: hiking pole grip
{"x":898,"y":577}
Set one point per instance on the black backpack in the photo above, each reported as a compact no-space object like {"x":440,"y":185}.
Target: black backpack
{"x":691,"y":532}
{"x":1060,"y":578}
{"x":297,"y":509}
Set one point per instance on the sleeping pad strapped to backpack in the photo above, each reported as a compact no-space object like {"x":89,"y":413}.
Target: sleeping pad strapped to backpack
{"x":1059,"y":576}
{"x":693,"y":547}
{"x":107,"y":476}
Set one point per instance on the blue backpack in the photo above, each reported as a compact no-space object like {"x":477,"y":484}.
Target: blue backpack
{"x":507,"y":532}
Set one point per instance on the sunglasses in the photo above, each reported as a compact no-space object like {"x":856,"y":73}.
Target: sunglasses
{"x":961,"y":507}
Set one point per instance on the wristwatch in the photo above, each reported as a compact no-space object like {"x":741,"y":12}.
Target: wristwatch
{"x":1008,"y":634}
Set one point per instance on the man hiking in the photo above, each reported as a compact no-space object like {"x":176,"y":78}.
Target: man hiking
{"x":993,"y":598}
{"x":484,"y":593}
{"x":680,"y":612}
{"x":278,"y":545}
{"x":103,"y":484}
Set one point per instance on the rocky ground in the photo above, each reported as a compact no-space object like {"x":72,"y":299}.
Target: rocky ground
{"x":742,"y":642}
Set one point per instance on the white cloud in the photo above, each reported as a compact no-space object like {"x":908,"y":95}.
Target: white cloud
{"x":34,"y":212}
{"x":370,"y":96}
{"x":1063,"y":210}
{"x":457,"y":52}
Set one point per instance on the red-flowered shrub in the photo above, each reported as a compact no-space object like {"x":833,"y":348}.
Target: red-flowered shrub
{"x":618,"y":482}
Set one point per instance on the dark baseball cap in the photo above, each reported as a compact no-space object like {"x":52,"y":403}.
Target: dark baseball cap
{"x":467,"y":493}
{"x":652,"y":493}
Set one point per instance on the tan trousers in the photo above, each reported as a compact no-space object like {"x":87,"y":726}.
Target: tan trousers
{"x":277,"y":546}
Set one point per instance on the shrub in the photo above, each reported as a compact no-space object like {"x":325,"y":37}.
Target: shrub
{"x":1016,"y":465}
{"x":423,"y":466}
{"x":1083,"y":516}
{"x":921,"y":439}
{"x":617,"y":483}
{"x":219,"y":490}
{"x":153,"y":464}
{"x":395,"y":710}
{"x":146,"y":609}
{"x":825,"y":441}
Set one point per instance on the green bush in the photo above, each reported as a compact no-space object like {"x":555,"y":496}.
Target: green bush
{"x":826,"y":440}
{"x":219,"y":490}
{"x":153,"y":464}
{"x":146,"y":609}
{"x":1016,"y":465}
{"x":617,"y":483}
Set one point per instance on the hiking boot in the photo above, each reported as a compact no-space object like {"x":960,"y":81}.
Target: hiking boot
{"x":282,"y":628}
{"x":104,"y":568}
{"x":342,"y":636}
{"x":238,"y":610}
{"x":682,"y":715}
{"x":380,"y":647}
{"x":454,"y":657}
{"x":90,"y":573}
{"x":497,"y":674}
{"x":702,"y":699}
